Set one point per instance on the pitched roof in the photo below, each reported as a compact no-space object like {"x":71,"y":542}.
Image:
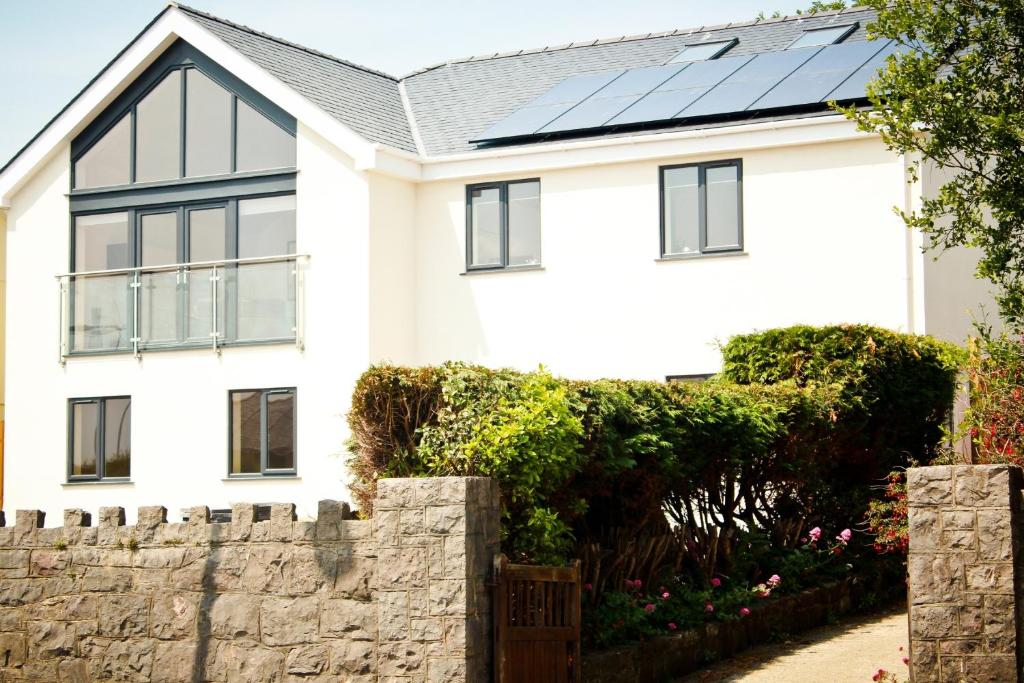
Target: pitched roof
{"x":456,"y":101}
{"x":365,"y":100}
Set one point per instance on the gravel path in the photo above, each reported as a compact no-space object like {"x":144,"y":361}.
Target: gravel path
{"x":850,"y":652}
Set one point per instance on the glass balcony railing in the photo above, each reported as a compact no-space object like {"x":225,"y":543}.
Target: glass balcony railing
{"x":186,"y":305}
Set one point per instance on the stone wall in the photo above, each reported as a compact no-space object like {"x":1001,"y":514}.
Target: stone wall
{"x":400,"y":597}
{"x":965,"y":573}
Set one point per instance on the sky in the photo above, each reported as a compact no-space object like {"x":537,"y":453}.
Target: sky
{"x":49,"y":49}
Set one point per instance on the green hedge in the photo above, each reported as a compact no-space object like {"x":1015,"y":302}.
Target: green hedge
{"x":790,"y":434}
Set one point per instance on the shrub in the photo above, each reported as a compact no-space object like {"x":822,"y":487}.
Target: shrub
{"x":995,"y":419}
{"x":785,"y":438}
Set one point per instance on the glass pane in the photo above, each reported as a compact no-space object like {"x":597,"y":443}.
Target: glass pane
{"x":85,"y":434}
{"x":158,"y":131}
{"x":207,"y":126}
{"x":694,"y":53}
{"x":821,"y":36}
{"x":524,"y":223}
{"x":485,"y":227}
{"x":207,"y":230}
{"x":159,"y":239}
{"x":723,"y":207}
{"x":682,"y":211}
{"x":200,"y":302}
{"x":281,"y":431}
{"x":100,"y":306}
{"x":262,"y":143}
{"x":245,"y":432}
{"x":117,"y":433}
{"x":158,"y":307}
{"x":265,"y":300}
{"x":266,"y":227}
{"x":108,"y":161}
{"x":101,"y":242}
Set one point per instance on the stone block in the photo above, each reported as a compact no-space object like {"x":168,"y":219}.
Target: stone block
{"x":357,"y":529}
{"x":309,"y":569}
{"x":923,"y":524}
{"x":401,"y":659}
{"x":930,"y":485}
{"x":243,"y":516}
{"x":308,"y":660}
{"x":995,"y":538}
{"x":176,"y":662}
{"x":446,"y":519}
{"x":49,"y":562}
{"x":393,"y":615}
{"x":234,"y":616}
{"x":410,"y":522}
{"x":395,"y":493}
{"x":73,"y":671}
{"x":353,"y":657}
{"x":50,"y":639}
{"x":355,"y":577}
{"x":124,"y":616}
{"x":402,"y":567}
{"x":329,"y":516}
{"x":448,"y":597}
{"x":281,"y":517}
{"x":990,"y":669}
{"x":990,"y":577}
{"x":935,"y":578}
{"x":932,"y":621}
{"x":442,"y":670}
{"x":174,"y":615}
{"x":982,"y":485}
{"x":128,"y":660}
{"x":386,"y":524}
{"x":252,"y":664}
{"x":150,"y":517}
{"x":349,"y":619}
{"x":76,"y":517}
{"x":289,"y":621}
{"x":112,"y":517}
{"x":972,"y":621}
{"x":13,"y":649}
{"x":104,"y":580}
{"x":425,"y":630}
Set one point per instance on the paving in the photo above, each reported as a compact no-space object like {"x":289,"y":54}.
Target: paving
{"x":849,"y":652}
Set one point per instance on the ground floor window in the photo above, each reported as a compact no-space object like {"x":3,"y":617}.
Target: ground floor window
{"x":99,"y":438}
{"x":262,"y":431}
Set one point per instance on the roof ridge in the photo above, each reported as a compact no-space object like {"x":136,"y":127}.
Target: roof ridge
{"x":282,"y":41}
{"x":639,"y":36}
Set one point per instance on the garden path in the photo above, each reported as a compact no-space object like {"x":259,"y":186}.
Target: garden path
{"x":848,"y":652}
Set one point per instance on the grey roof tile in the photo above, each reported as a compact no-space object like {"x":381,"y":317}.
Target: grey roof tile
{"x":365,"y":100}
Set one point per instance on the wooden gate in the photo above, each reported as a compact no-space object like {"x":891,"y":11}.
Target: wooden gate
{"x":536,"y":623}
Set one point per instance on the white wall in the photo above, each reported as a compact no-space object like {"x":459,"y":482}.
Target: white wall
{"x":392,"y":330}
{"x":822,"y":245}
{"x":179,"y":398}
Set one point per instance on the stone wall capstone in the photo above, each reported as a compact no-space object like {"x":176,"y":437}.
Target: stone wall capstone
{"x":399,"y":597}
{"x":964,"y":573}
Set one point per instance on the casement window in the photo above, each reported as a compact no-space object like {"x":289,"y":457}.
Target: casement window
{"x":99,"y":438}
{"x":261,"y":433}
{"x":701,"y":209}
{"x":503,"y":225}
{"x":828,"y":35}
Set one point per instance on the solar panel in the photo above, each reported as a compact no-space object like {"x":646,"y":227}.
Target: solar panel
{"x":549,"y":106}
{"x":672,"y":96}
{"x":613,"y":98}
{"x":819,"y":75}
{"x":746,"y":85}
{"x":853,"y":88}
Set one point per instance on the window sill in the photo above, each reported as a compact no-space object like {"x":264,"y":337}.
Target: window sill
{"x":100,"y":482}
{"x":507,"y":269}
{"x":262,"y":477}
{"x":700,"y":257}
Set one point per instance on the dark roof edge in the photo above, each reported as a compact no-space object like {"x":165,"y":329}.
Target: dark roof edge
{"x":282,"y":41}
{"x":86,"y":87}
{"x":642,"y":36}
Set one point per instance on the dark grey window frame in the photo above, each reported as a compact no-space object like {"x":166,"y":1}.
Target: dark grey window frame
{"x":702,"y":218}
{"x":101,"y":402}
{"x":850,"y":28}
{"x":180,"y":56}
{"x":693,"y":378}
{"x":264,"y":435}
{"x":502,"y":187}
{"x":230,"y":202}
{"x":726,"y":46}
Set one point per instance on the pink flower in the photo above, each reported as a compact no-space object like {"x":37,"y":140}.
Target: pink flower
{"x":638,"y":583}
{"x":629,"y":583}
{"x":844,"y":536}
{"x":665,"y":595}
{"x":588,"y":586}
{"x":906,"y":660}
{"x":649,"y":608}
{"x":814,"y":534}
{"x":716,"y":582}
{"x":761,"y":590}
{"x":744,"y":611}
{"x":672,"y":626}
{"x":708,"y":607}
{"x":879,"y":675}
{"x":774,"y":580}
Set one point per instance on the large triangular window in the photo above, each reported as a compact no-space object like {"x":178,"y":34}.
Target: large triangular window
{"x":185,"y":126}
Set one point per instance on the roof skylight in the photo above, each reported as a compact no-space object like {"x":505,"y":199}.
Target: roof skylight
{"x":703,"y":51}
{"x":817,"y":37}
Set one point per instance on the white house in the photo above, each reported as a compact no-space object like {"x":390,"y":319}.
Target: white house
{"x":213,"y":240}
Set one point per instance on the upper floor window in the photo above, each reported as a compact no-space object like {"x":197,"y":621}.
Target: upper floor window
{"x":702,"y":51}
{"x":701,"y":209}
{"x":818,"y":37}
{"x":186,"y":125}
{"x":99,"y":438}
{"x":503,"y":225}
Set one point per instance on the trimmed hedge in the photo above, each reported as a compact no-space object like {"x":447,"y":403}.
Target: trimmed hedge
{"x":792,"y":433}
